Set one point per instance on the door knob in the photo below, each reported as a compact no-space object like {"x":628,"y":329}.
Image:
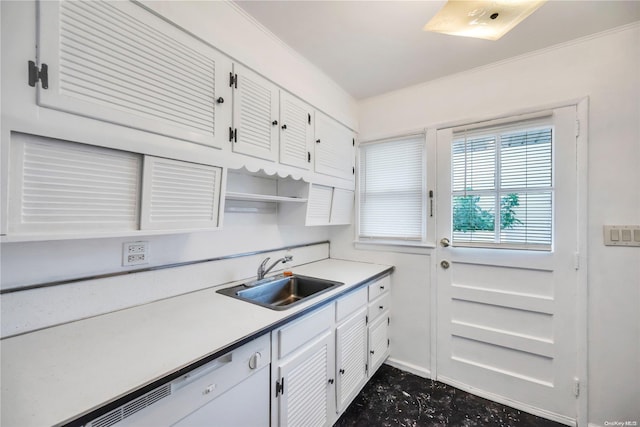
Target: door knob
{"x":444,"y":242}
{"x":444,"y":264}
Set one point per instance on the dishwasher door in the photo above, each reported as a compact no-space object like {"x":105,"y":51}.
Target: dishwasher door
{"x":245,"y":405}
{"x":230,"y":391}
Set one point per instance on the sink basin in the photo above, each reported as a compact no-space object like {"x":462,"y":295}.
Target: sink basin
{"x":280,"y":292}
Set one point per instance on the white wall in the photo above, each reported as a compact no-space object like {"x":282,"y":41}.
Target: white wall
{"x":607,"y":70}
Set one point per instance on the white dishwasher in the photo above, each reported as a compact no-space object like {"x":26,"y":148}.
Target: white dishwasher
{"x":230,"y":391}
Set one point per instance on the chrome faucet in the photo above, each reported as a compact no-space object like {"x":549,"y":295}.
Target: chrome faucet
{"x":262,"y":270}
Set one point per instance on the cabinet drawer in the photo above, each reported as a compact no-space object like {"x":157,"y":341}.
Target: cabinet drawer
{"x":304,"y":330}
{"x":379,"y":287}
{"x":350,"y":303}
{"x":379,"y":306}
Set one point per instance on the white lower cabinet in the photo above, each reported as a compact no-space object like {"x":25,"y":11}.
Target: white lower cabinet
{"x":303,"y":371}
{"x":351,"y":358}
{"x":321,"y":361}
{"x":378,"y":342}
{"x":378,"y":327}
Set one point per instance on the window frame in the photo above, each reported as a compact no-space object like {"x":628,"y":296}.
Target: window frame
{"x":428,"y":227}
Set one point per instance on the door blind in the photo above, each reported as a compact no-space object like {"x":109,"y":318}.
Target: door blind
{"x":391,"y":188}
{"x":502,"y":188}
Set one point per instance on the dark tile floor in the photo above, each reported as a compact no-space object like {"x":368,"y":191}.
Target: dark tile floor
{"x":396,"y":398}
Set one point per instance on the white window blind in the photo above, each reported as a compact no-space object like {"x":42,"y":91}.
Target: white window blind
{"x":392,"y":190}
{"x":505,"y":170}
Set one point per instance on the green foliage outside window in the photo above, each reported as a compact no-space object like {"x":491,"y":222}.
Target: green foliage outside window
{"x":468,"y":215}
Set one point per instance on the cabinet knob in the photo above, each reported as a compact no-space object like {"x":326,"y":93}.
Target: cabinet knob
{"x":382,"y":287}
{"x":342,"y":371}
{"x":372,"y":352}
{"x":317,"y":141}
{"x":331,"y":381}
{"x":220,"y":100}
{"x":284,"y":126}
{"x":381,"y":307}
{"x":275,"y":122}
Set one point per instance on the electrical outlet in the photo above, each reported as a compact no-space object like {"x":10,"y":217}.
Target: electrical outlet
{"x":135,"y":253}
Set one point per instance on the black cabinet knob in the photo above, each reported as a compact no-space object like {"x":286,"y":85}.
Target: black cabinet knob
{"x":275,"y":122}
{"x":342,"y":371}
{"x":284,"y":126}
{"x":317,"y":141}
{"x":331,"y":381}
{"x":220,"y":100}
{"x":372,"y":352}
{"x":381,"y":307}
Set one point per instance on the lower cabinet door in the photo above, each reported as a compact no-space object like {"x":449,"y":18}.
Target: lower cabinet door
{"x":351,"y":358}
{"x":305,"y":385}
{"x":378,"y":342}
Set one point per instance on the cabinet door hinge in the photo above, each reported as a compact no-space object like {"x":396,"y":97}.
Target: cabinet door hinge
{"x":576,"y":260}
{"x":280,"y":387}
{"x":366,"y":320}
{"x":388,"y":342}
{"x":309,"y":118}
{"x":353,"y":140}
{"x":366,"y":367}
{"x":577,"y":128}
{"x":576,"y":387}
{"x":353,"y":170}
{"x":41,"y":74}
{"x":309,"y":156}
{"x":233,"y":80}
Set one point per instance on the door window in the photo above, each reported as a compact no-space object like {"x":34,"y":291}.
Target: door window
{"x":502,"y":186}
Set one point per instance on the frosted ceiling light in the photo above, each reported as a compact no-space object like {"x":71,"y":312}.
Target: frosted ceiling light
{"x":481,"y":19}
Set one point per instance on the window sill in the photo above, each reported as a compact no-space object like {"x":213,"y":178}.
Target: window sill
{"x":395,"y":246}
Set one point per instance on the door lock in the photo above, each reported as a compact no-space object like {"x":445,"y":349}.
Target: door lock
{"x":445,"y":264}
{"x":444,"y":242}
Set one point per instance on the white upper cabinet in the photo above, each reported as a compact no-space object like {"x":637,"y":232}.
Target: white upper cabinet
{"x":296,"y":131}
{"x":60,"y":187}
{"x":341,"y":206}
{"x":179,"y":195}
{"x":255,"y":115}
{"x":119,"y":63}
{"x":319,"y":205}
{"x":334,"y":148}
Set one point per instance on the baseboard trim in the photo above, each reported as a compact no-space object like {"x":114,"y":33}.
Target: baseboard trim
{"x":409,"y":367}
{"x":508,"y":402}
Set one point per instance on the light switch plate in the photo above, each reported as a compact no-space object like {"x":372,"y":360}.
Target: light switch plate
{"x":622,"y":235}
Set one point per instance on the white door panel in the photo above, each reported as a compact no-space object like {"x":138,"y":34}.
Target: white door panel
{"x":506,"y":317}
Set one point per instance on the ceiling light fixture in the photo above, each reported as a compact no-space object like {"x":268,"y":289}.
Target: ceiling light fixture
{"x":488,"y":20}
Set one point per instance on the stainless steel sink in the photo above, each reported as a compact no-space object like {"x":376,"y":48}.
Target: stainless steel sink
{"x":280,"y":292}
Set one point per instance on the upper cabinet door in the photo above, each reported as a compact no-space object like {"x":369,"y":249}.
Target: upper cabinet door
{"x":296,"y":131}
{"x":334,"y":148}
{"x":319,"y":205}
{"x":117,"y":62}
{"x":179,"y":195}
{"x":342,"y":206}
{"x":255,"y":115}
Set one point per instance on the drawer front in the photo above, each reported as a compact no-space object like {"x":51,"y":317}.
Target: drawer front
{"x":379,"y":306}
{"x":304,"y":330}
{"x":350,"y":303}
{"x":379,"y":287}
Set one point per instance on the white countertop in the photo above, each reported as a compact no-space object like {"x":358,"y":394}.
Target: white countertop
{"x":52,"y":376}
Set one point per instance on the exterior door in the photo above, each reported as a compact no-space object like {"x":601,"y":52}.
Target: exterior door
{"x":506,"y":308}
